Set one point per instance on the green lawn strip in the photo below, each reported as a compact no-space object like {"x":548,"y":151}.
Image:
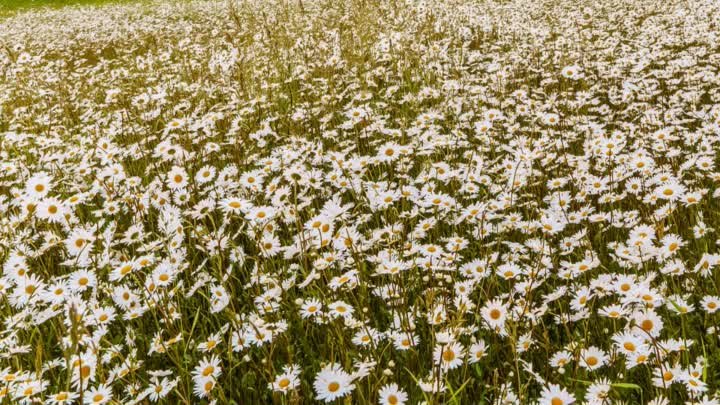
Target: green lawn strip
{"x":9,"y":7}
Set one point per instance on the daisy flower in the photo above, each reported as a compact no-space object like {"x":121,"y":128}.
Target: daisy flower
{"x":332,"y":382}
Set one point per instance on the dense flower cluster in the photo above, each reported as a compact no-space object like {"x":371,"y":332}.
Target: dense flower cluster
{"x":361,"y":201}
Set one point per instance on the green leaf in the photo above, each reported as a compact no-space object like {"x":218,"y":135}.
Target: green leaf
{"x":629,"y":386}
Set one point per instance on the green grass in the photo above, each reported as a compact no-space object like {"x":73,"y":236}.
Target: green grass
{"x":7,"y":6}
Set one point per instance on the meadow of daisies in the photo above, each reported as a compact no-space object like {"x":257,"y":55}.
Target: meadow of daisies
{"x":361,"y":202}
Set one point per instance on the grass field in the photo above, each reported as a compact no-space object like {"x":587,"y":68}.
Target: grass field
{"x":15,"y":5}
{"x":10,"y":7}
{"x":384,"y":202}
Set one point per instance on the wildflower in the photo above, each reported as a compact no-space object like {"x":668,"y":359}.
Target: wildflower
{"x":97,"y":395}
{"x":593,"y":358}
{"x":332,"y":382}
{"x":288,"y":380}
{"x":495,"y":313}
{"x":448,"y":356}
{"x":555,"y":395}
{"x":390,"y":394}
